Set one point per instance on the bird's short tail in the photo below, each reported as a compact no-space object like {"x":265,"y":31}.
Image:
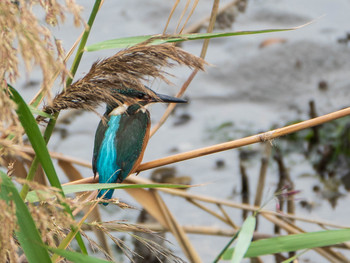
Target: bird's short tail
{"x":107,"y":194}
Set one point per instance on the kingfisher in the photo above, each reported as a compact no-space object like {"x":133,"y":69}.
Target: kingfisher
{"x":122,"y":135}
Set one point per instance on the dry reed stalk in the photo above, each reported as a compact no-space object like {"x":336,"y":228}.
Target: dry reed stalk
{"x":223,"y":211}
{"x":139,"y":180}
{"x":109,"y":79}
{"x":182,"y":14}
{"x":245,"y":188}
{"x":262,"y":137}
{"x":228,"y":203}
{"x":184,"y":87}
{"x":171,"y":15}
{"x":209,"y":211}
{"x":190,"y":229}
{"x":262,"y":174}
{"x":189,"y":15}
{"x":195,"y":28}
{"x":315,"y":139}
{"x":177,"y":231}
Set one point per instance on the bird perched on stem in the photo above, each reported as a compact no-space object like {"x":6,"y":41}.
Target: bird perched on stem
{"x":122,"y":135}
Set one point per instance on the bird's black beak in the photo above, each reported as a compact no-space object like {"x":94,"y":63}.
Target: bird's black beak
{"x":168,"y":99}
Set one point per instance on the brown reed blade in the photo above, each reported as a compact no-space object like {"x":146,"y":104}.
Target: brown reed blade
{"x":109,"y":78}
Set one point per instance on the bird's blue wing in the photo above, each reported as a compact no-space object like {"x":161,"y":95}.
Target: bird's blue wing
{"x":99,"y":136}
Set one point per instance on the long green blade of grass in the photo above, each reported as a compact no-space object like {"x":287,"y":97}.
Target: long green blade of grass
{"x":68,"y":189}
{"x":294,"y":243}
{"x":28,"y":235}
{"x":38,"y":143}
{"x":244,"y":239}
{"x":161,"y":39}
{"x":36,"y":139}
{"x":77,"y":257}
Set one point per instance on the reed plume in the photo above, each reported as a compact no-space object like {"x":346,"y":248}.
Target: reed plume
{"x":128,"y":69}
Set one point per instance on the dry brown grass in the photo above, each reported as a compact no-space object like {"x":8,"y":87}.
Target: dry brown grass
{"x":24,"y":40}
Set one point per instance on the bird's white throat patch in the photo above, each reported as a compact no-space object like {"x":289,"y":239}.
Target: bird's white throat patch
{"x":119,"y":110}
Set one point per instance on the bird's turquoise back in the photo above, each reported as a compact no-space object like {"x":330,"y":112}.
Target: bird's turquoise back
{"x":119,"y":145}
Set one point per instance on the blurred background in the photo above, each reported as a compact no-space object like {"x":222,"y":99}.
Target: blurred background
{"x":254,"y":83}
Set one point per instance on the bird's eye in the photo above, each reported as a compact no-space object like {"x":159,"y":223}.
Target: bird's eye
{"x":140,"y":96}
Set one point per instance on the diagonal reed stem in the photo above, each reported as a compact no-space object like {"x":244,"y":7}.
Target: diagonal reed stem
{"x":262,"y":137}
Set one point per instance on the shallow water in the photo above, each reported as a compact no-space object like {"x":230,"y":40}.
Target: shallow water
{"x":252,"y":87}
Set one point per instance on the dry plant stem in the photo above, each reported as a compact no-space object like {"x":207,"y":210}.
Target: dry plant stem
{"x":171,"y":106}
{"x":262,"y":175}
{"x":177,"y":231}
{"x":262,"y":137}
{"x":189,"y":15}
{"x":245,"y":188}
{"x":197,"y":26}
{"x":209,"y":211}
{"x":223,"y":211}
{"x":200,"y":230}
{"x":138,"y":180}
{"x":207,"y":199}
{"x":182,"y":14}
{"x":171,"y":15}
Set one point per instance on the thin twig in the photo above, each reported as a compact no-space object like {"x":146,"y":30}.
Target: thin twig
{"x":171,"y":106}
{"x":262,"y":174}
{"x":139,"y":180}
{"x":177,"y":231}
{"x":197,"y":26}
{"x":228,"y":218}
{"x":245,"y":188}
{"x":190,"y":229}
{"x":209,"y":211}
